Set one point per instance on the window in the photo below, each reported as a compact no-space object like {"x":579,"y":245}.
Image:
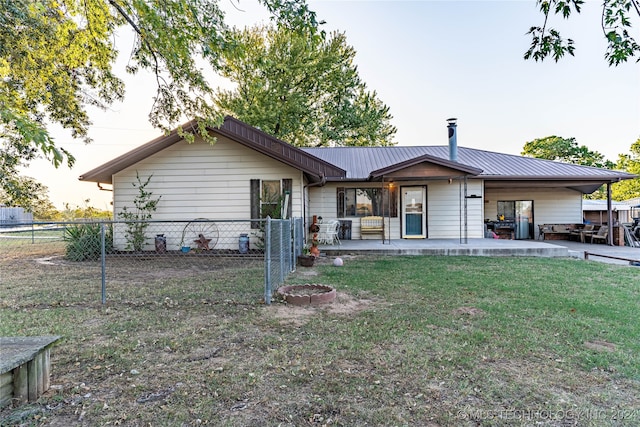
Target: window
{"x":507,"y":210}
{"x":270,"y":198}
{"x":366,"y":201}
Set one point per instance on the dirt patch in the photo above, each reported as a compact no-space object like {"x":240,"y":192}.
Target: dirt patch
{"x":600,"y":346}
{"x":468,"y":311}
{"x":50,"y":260}
{"x":344,"y":304}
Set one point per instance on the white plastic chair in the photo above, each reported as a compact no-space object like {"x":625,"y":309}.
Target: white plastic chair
{"x":328,"y":233}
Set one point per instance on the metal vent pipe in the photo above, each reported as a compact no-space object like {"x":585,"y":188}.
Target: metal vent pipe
{"x":453,"y":140}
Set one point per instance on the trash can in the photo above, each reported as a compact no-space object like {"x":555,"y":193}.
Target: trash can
{"x":243,"y":243}
{"x":344,"y":230}
{"x":161,"y":244}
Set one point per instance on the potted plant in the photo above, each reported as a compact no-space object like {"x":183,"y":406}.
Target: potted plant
{"x":306,"y":259}
{"x":314,"y":250}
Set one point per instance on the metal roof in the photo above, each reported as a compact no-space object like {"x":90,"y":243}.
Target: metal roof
{"x":314,"y":168}
{"x":360,"y":162}
{"x":601,"y":205}
{"x":373,"y":163}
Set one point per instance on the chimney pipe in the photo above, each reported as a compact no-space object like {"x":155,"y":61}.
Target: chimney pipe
{"x":453,"y":139}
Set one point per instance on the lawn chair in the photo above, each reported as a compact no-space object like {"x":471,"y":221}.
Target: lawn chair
{"x":588,"y":230}
{"x":601,"y":235}
{"x":329,"y":232}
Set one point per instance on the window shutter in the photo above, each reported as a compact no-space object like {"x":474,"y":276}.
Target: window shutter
{"x":394,"y":201}
{"x":255,"y":202}
{"x":287,"y":187}
{"x":340,"y":202}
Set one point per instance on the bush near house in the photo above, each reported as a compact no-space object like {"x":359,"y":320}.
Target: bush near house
{"x":84,"y":241}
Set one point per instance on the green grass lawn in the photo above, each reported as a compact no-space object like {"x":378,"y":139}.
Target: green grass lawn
{"x":409,"y":341}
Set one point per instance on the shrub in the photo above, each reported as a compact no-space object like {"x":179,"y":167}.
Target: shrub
{"x":138,"y":217}
{"x":84,"y":241}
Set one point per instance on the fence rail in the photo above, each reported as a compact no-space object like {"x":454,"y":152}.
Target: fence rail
{"x":120,"y":254}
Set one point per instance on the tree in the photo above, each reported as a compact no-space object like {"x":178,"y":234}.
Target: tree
{"x":616,"y":25}
{"x":28,"y":194}
{"x":56,"y":59}
{"x":630,"y":188}
{"x":565,"y":150}
{"x":302,"y":89}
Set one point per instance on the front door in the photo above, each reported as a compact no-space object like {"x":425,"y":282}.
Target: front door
{"x":414,"y":212}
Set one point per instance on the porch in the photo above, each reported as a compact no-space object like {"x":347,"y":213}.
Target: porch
{"x":480,"y":247}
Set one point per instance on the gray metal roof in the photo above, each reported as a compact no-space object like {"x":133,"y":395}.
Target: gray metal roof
{"x":372,"y":163}
{"x":359,"y":162}
{"x":601,"y":205}
{"x":313,"y":167}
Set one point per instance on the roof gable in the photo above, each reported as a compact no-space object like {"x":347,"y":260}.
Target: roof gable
{"x":425,"y":166}
{"x":314,"y":168}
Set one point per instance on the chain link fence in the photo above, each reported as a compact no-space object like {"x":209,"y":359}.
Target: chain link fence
{"x":128,"y":261}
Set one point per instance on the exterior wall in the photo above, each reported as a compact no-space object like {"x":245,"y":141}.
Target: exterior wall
{"x":601,"y":217}
{"x":323,"y":201}
{"x":201,"y":180}
{"x":444,"y":203}
{"x":550,"y":205}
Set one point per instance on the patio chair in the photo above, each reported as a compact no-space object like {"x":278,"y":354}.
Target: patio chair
{"x":328,"y":233}
{"x":588,"y":230}
{"x":601,"y":235}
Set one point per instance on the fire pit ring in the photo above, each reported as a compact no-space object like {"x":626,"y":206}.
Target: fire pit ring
{"x":307,"y":294}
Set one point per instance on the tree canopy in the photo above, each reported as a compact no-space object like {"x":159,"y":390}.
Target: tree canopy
{"x":617,"y":16}
{"x":630,"y":188}
{"x":565,"y":150}
{"x":57,"y":56}
{"x":302,"y":89}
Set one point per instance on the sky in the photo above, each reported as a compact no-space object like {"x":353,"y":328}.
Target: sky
{"x":428,"y":61}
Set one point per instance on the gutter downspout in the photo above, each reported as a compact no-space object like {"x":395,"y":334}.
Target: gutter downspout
{"x":104,"y":189}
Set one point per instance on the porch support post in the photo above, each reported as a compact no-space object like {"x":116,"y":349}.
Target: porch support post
{"x":609,"y":215}
{"x":466,"y":216}
{"x":384,"y":229}
{"x":459,"y":210}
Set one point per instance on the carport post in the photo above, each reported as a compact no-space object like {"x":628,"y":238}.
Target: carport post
{"x":609,"y":216}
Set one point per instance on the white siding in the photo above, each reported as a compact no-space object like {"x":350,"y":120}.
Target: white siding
{"x":444,"y":217}
{"x":550,"y":205}
{"x":201,"y":180}
{"x":323,"y":201}
{"x":445,"y":203}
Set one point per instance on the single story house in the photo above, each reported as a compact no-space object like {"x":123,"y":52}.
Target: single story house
{"x":421,"y":192}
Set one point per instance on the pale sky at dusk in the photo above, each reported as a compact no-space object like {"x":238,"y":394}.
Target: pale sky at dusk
{"x":427,"y":60}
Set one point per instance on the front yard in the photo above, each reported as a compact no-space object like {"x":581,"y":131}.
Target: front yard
{"x":429,"y":341}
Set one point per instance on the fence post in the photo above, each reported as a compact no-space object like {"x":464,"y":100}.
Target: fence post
{"x":267,"y":262}
{"x":103,"y":256}
{"x":295,"y":251}
{"x":282,"y":252}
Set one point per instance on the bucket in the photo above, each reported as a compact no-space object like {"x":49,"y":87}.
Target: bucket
{"x":161,"y":244}
{"x":243,"y":243}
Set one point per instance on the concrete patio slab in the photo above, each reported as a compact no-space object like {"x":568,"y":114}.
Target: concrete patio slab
{"x":480,"y":247}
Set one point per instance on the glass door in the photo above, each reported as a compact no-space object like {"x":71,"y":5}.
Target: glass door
{"x":518,"y":213}
{"x":414,"y":213}
{"x":524,"y":219}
